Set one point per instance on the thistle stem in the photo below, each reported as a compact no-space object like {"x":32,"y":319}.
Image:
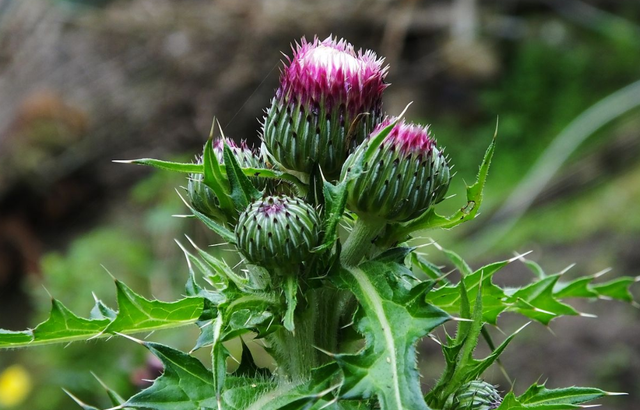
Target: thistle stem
{"x":359,"y":241}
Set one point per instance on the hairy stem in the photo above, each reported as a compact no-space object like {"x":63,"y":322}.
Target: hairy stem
{"x":359,"y":241}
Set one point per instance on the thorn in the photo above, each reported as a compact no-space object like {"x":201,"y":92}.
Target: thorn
{"x":213,"y":127}
{"x":124,"y":161}
{"x":602,"y":272}
{"x":133,"y":339}
{"x":323,"y":351}
{"x":432,"y":337}
{"x":405,"y":110}
{"x":563,"y":271}
{"x":182,"y":216}
{"x":239,"y":263}
{"x":521,"y":328}
{"x":520,"y":256}
{"x":460,"y":319}
{"x":612,"y":393}
{"x":109,"y":273}
{"x":589,"y":315}
{"x":104,"y":386}
{"x":48,"y":293}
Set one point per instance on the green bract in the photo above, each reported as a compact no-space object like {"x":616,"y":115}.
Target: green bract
{"x":203,"y":198}
{"x":278,"y":231}
{"x":401,"y":178}
{"x":475,"y":395}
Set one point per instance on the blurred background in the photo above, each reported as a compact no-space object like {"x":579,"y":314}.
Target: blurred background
{"x":83,"y":82}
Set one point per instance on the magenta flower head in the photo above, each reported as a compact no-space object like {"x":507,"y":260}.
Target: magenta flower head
{"x":401,"y":178}
{"x":329,"y":99}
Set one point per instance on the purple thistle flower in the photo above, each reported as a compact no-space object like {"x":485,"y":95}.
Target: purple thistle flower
{"x":402,"y":178}
{"x":327,"y":91}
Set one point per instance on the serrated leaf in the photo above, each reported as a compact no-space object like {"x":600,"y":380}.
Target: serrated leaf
{"x":185,"y":384}
{"x":538,"y":397}
{"x":616,"y":289}
{"x":242,"y":190}
{"x":136,"y":312}
{"x":493,"y":298}
{"x":541,"y":305}
{"x":63,"y":326}
{"x":394,"y":319}
{"x":188,"y":168}
{"x":215,"y":179}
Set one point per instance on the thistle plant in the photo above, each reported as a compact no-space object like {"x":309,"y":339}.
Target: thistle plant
{"x":322,"y":220}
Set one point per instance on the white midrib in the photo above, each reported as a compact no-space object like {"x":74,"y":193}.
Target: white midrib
{"x":371,"y":293}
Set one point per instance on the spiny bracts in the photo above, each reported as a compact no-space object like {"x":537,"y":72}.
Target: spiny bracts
{"x":278,"y":231}
{"x":402,"y":178}
{"x":475,"y":395}
{"x":329,"y":100}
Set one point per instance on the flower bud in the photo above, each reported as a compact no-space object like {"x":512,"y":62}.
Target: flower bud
{"x":404,"y":176}
{"x":278,"y":231}
{"x":329,"y":99}
{"x":202,"y":198}
{"x":475,"y":395}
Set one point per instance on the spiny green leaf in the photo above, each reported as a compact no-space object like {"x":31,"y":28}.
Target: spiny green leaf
{"x":616,"y":289}
{"x":188,"y":168}
{"x":541,"y":304}
{"x":215,"y":179}
{"x":395,"y":318}
{"x":62,"y":325}
{"x":185,"y":384}
{"x":136,"y":312}
{"x":538,"y":397}
{"x":242,"y":190}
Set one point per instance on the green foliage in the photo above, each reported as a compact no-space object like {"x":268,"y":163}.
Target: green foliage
{"x":136,"y":314}
{"x":395,"y":318}
{"x":342,"y":332}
